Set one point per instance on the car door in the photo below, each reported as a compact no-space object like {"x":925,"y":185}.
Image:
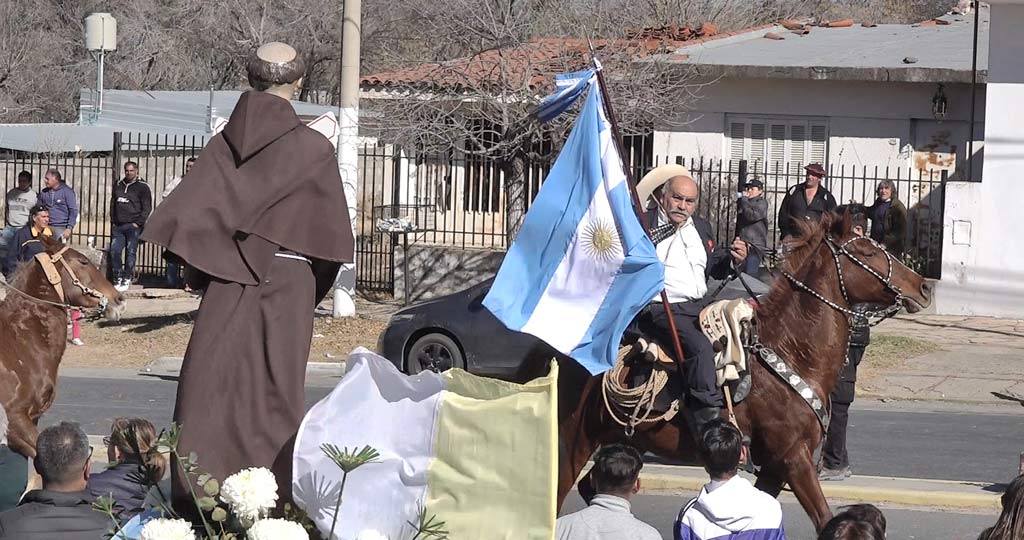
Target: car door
{"x":496,"y":350}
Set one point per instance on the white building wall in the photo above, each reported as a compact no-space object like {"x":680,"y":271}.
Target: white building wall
{"x":870,"y":123}
{"x":983,"y":257}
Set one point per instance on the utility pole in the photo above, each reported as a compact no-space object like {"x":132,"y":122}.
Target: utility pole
{"x":348,"y":137}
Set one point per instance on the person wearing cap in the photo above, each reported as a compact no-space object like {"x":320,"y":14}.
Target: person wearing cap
{"x":807,"y":200}
{"x":752,"y":224}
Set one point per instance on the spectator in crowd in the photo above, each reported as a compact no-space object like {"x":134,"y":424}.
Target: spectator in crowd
{"x":130,"y":206}
{"x":752,"y":224}
{"x":27,"y":241}
{"x":807,"y":200}
{"x":728,"y":506}
{"x":616,"y":477}
{"x":62,"y":509}
{"x":62,"y":203}
{"x":131,"y":447}
{"x":857,"y":522}
{"x":13,"y":470}
{"x":174,"y":266}
{"x":888,"y":219}
{"x":835,"y":458}
{"x":19,"y":201}
{"x":1010,"y":524}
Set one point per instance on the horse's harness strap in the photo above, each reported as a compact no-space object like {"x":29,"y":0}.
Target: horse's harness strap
{"x":796,"y":382}
{"x":52,"y":274}
{"x":48,"y":262}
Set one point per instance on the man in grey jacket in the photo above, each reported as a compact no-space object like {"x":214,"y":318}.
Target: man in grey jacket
{"x":616,"y":476}
{"x":752,"y":224}
{"x":62,"y":509}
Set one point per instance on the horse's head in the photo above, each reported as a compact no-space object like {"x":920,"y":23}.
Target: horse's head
{"x":82,"y":282}
{"x":868,"y":273}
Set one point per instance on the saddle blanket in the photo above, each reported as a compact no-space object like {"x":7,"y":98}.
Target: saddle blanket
{"x":723,"y":323}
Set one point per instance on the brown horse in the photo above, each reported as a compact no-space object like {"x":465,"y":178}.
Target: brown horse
{"x":33,"y":323}
{"x":809,"y":332}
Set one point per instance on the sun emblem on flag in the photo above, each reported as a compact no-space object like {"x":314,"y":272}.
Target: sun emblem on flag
{"x":601,"y":240}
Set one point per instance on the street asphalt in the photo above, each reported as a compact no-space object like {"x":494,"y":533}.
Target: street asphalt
{"x":981,"y":446}
{"x":660,"y":511}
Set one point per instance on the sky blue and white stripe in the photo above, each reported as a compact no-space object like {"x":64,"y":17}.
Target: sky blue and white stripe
{"x":581,"y":266}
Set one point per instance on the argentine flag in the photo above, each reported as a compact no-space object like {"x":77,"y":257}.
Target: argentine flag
{"x":581,"y":267}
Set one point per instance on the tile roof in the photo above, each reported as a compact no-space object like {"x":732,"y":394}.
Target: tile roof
{"x":532,"y":64}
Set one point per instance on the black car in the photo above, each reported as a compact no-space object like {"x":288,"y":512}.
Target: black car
{"x":458,"y":331}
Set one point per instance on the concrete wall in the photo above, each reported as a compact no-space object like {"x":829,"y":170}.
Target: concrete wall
{"x":440,"y":270}
{"x":870,"y":123}
{"x":983,"y":255}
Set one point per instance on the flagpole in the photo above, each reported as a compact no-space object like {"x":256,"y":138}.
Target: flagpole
{"x":637,"y":205}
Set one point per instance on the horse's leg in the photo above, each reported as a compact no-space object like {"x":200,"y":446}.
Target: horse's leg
{"x":575,"y":448}
{"x":803,"y":478}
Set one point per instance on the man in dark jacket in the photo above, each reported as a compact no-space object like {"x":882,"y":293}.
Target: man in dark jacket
{"x":62,"y":509}
{"x":13,"y":469}
{"x":752,"y":224}
{"x":28,"y":241}
{"x":686,"y":247}
{"x":807,"y":200}
{"x":130,"y":205}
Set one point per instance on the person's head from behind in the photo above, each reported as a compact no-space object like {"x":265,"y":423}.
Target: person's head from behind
{"x":868,"y":513}
{"x":1010,"y":524}
{"x":275,"y":64}
{"x":679,"y":199}
{"x":721,"y":447}
{"x":846,"y":527}
{"x":617,"y":470}
{"x":133,"y":440}
{"x":62,"y":457}
{"x":24,"y":180}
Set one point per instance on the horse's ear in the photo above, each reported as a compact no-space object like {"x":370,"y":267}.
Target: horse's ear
{"x":833,"y":223}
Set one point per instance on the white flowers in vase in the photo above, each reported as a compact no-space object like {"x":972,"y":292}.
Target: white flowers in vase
{"x":167,"y":529}
{"x":250,"y":493}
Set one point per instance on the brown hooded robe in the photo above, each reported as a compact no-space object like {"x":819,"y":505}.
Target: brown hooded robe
{"x":266,"y":184}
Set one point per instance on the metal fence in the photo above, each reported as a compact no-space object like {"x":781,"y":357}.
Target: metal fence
{"x":466,"y":200}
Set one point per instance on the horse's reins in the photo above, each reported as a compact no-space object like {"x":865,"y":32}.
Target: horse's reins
{"x":48,"y":263}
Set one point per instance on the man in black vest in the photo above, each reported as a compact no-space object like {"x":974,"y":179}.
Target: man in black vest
{"x":807,"y":200}
{"x":686,"y":247}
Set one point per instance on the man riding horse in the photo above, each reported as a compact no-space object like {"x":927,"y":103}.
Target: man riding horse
{"x":685,"y":246}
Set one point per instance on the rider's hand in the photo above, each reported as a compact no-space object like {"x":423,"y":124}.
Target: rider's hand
{"x":738,"y":249}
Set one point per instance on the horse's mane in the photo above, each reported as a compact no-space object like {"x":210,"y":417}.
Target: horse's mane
{"x":799,"y":248}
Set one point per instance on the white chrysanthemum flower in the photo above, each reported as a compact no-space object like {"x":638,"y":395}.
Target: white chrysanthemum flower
{"x":370,"y":534}
{"x":276,"y":529}
{"x":167,"y":529}
{"x":250,"y":492}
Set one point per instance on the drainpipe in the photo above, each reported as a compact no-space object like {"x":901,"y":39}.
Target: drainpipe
{"x":974,"y":93}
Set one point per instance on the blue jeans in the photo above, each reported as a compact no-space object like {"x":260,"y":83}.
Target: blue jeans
{"x":174,"y":279}
{"x":124,"y":238}
{"x":752,"y":265}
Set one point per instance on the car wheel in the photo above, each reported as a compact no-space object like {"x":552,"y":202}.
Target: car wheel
{"x":434,"y":352}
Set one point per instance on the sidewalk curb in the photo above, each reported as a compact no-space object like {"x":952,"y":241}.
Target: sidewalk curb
{"x":170,"y":366}
{"x":937,"y":493}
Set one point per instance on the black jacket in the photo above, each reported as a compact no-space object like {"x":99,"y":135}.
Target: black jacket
{"x":795,"y":207}
{"x":131,"y":203}
{"x":48,"y":515}
{"x":23,"y":247}
{"x":115,"y":483}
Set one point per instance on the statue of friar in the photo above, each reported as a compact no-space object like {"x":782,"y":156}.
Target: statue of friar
{"x":263,"y":216}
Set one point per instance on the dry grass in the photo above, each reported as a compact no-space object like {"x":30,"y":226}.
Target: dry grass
{"x":134,"y":342}
{"x":889,"y":352}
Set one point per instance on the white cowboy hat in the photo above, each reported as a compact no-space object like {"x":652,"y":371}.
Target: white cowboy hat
{"x":657,"y":177}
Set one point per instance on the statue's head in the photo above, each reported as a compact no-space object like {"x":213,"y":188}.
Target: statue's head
{"x":274,"y":65}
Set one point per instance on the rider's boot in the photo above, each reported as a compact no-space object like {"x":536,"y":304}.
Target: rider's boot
{"x":700,"y":417}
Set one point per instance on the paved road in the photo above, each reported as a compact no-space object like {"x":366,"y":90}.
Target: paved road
{"x":975,"y":446}
{"x":660,"y":511}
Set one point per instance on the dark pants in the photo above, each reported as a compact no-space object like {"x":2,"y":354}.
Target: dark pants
{"x":700,"y":356}
{"x":174,"y":279}
{"x":833,"y":453}
{"x":752,"y":265}
{"x":13,"y":477}
{"x":125,"y":238}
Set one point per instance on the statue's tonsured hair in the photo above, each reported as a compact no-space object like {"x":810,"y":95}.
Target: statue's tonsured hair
{"x":263,"y":74}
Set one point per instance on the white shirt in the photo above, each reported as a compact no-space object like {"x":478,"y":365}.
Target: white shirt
{"x":685,"y":260}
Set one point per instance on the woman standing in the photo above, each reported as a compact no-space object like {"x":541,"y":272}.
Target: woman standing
{"x":888,"y":219}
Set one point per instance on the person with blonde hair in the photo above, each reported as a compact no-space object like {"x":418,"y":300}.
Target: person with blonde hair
{"x":131,"y":449}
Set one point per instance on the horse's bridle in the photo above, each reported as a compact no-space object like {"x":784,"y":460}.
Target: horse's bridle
{"x":860,"y":318}
{"x":49,"y":263}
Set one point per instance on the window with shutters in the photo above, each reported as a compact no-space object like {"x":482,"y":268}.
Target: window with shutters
{"x":767,"y":142}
